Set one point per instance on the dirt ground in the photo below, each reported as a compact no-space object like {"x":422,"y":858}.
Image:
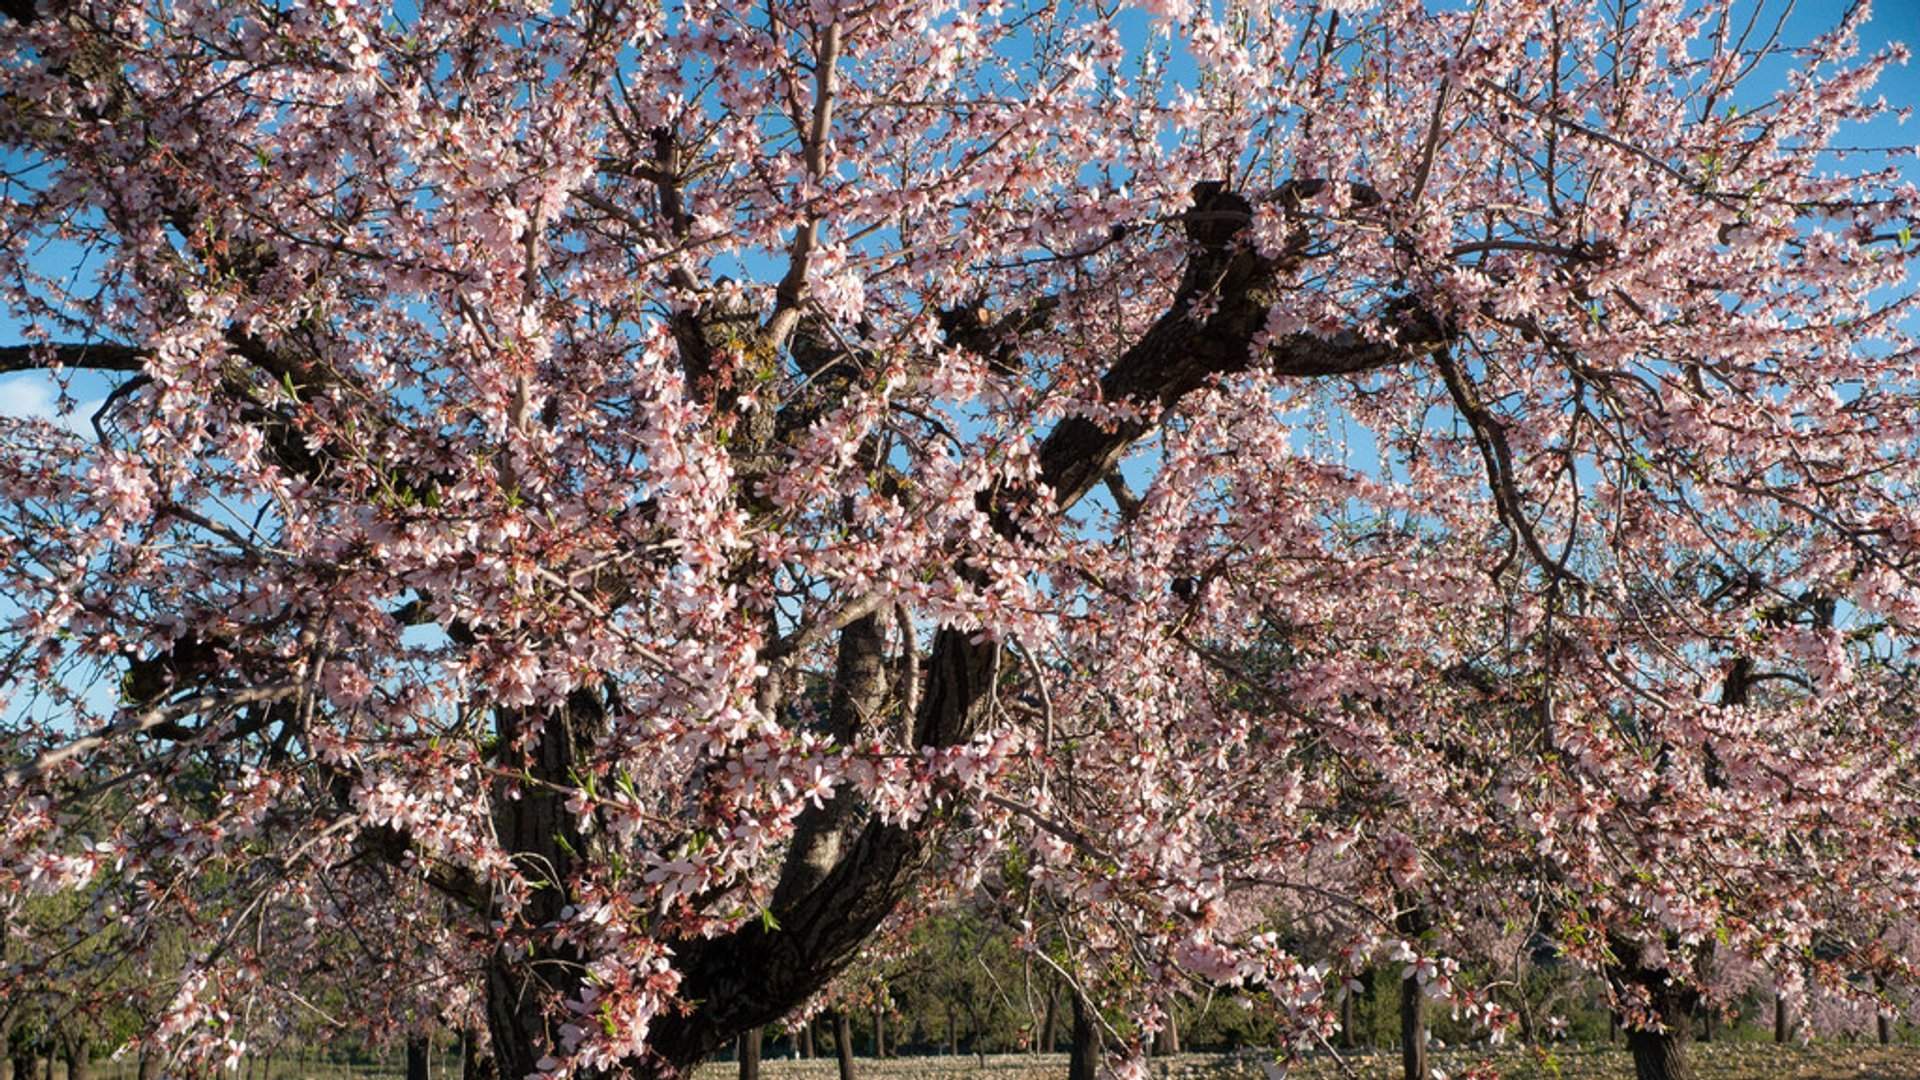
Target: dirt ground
{"x":1736,"y":1061}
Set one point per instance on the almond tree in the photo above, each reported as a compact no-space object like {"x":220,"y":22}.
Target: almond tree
{"x":652,"y":472}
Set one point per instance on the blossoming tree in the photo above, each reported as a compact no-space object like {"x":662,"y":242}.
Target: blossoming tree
{"x":659,"y":477}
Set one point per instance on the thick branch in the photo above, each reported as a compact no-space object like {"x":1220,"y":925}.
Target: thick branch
{"x":757,"y":974}
{"x":89,"y":357}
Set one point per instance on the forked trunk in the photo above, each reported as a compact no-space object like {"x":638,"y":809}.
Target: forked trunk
{"x":79,"y":1055}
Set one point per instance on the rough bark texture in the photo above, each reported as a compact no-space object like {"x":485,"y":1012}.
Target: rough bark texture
{"x":1084,"y":1058}
{"x":522,"y":983}
{"x":1660,"y":1048}
{"x":1660,"y":1055}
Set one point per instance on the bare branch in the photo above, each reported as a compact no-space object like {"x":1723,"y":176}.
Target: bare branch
{"x":90,"y":356}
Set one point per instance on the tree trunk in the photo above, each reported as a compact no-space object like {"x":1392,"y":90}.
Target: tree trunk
{"x":843,"y":1043}
{"x":1662,"y":1055}
{"x":79,"y":1054}
{"x":417,"y":1057}
{"x":1167,"y":1042}
{"x":1412,"y":921}
{"x":879,"y":1033}
{"x":806,"y":1039}
{"x":1413,"y":1029}
{"x":1087,"y":1051}
{"x":1347,"y":1039}
{"x":750,"y":1053}
{"x":1782,"y":1019}
{"x":1050,"y":1024}
{"x":528,"y":974}
{"x":476,"y":1063}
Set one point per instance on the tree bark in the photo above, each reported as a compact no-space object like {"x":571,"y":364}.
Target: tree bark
{"x":750,"y":1053}
{"x":476,"y":1063}
{"x":1782,"y":1019}
{"x":1084,"y":1063}
{"x":1167,"y":1042}
{"x":1413,"y":1029}
{"x":1412,"y":921}
{"x":1347,"y":1039}
{"x":417,"y":1057}
{"x":879,"y":1032}
{"x":1050,"y":1026}
{"x":1662,"y":1055}
{"x":79,"y":1055}
{"x":528,"y":974}
{"x":1882,"y":1020}
{"x":806,"y":1040}
{"x":843,"y":1043}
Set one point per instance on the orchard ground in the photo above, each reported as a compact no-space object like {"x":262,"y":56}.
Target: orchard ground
{"x":1713,"y":1061}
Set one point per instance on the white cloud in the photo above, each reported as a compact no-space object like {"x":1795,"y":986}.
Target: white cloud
{"x":37,"y":397}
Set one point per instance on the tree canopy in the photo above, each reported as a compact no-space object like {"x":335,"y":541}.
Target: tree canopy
{"x":606,"y":500}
